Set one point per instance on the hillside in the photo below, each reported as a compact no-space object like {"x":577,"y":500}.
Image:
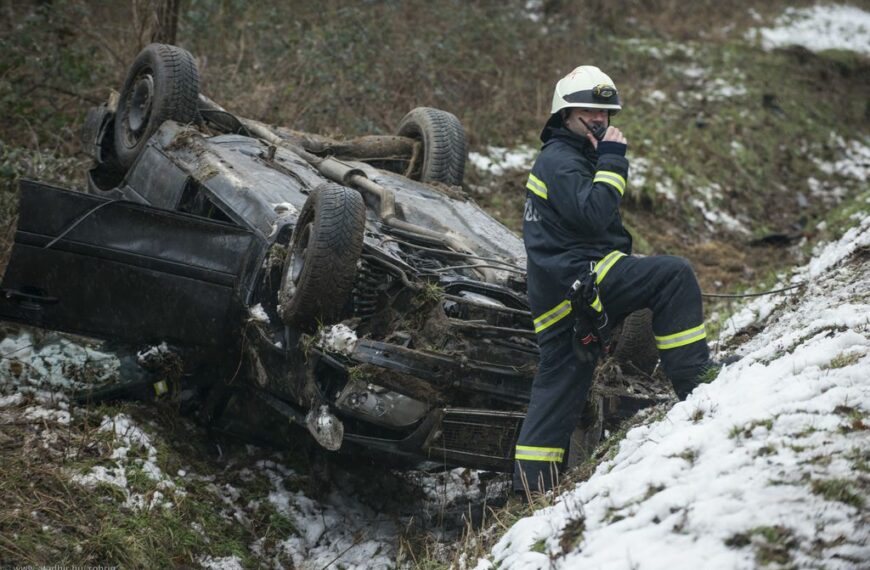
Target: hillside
{"x":749,"y":140}
{"x":765,"y":466}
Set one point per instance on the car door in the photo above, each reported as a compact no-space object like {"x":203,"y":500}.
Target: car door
{"x":124,"y":271}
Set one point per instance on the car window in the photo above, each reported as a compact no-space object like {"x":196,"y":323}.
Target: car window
{"x":194,"y":200}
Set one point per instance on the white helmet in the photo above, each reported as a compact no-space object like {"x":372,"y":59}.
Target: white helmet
{"x":587,"y":87}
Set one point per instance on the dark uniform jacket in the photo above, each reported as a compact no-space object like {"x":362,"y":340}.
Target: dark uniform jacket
{"x":571,"y":218}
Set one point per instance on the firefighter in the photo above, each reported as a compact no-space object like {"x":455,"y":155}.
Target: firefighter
{"x":582,"y":278}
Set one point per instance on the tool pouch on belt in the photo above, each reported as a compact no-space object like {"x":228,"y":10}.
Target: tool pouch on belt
{"x":591,"y":324}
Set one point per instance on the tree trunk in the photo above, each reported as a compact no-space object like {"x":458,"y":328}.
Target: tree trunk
{"x":166,"y":30}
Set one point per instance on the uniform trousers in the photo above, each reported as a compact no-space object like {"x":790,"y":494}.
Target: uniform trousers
{"x":666,"y":285}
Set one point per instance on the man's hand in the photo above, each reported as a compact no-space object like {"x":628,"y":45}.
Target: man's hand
{"x":612,"y":134}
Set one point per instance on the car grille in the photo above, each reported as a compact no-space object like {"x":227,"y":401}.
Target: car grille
{"x":484,"y":438}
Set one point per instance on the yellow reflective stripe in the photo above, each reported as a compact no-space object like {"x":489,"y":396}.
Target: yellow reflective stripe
{"x":530,"y":453}
{"x":612,"y":178}
{"x":596,"y":304}
{"x":537,"y":186}
{"x":603,"y":266}
{"x":536,"y":191}
{"x":615,"y":176}
{"x":553,"y":316}
{"x":681,"y":338}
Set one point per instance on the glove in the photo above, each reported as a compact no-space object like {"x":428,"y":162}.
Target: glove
{"x":587,"y":350}
{"x":591,"y":323}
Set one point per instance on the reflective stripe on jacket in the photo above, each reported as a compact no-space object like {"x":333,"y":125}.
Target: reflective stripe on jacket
{"x":571,"y":217}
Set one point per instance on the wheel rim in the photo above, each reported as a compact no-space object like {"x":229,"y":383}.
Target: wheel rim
{"x":297,"y":257}
{"x":139,"y":108}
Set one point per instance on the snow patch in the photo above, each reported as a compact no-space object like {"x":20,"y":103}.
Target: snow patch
{"x":285,"y":209}
{"x":534,"y":10}
{"x":258,"y":313}
{"x":224,"y":563}
{"x":710,"y":207}
{"x":854,"y":164}
{"x":39,"y":360}
{"x":819,"y":28}
{"x":11,"y":400}
{"x":720,"y":88}
{"x":37,"y":413}
{"x":497,"y":160}
{"x":337,"y":530}
{"x":338,"y":338}
{"x":642,"y":172}
{"x":656,"y":96}
{"x":659,"y":50}
{"x":149,"y":354}
{"x":127,"y":438}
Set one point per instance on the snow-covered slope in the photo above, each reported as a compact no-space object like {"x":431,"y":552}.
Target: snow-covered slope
{"x":770,"y":463}
{"x":819,"y":28}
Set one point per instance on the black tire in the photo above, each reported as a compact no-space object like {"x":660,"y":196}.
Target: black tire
{"x":635,"y":347}
{"x":161,"y":85}
{"x":321,"y":261}
{"x":444,"y":145}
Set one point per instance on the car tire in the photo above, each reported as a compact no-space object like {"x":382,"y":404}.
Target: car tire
{"x":162,"y":84}
{"x":635,"y":348}
{"x":444,"y":145}
{"x":321,"y":261}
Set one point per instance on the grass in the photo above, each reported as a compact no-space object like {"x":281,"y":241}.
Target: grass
{"x":855,"y":418}
{"x":47,"y":519}
{"x":860,"y":459}
{"x":747,"y":429}
{"x":772,"y":544}
{"x":840,"y":490}
{"x":844,"y":359}
{"x":689,"y":455}
{"x":572,"y":534}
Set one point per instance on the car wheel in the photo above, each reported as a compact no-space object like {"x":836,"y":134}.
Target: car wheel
{"x":635,"y":347}
{"x":444,"y":145}
{"x":162,"y":84}
{"x":322,"y":258}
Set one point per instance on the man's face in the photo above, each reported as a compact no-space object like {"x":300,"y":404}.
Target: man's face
{"x":592,"y":117}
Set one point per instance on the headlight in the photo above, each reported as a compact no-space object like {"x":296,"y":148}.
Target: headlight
{"x":379,"y":405}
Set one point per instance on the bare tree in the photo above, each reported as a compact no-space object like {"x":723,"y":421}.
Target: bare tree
{"x":166,"y":29}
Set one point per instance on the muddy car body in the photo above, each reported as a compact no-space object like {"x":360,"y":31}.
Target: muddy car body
{"x":338,"y":292}
{"x":188,"y":247}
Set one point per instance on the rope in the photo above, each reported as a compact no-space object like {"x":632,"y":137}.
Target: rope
{"x":741,"y":295}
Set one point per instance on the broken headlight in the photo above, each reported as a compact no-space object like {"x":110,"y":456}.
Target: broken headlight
{"x":379,"y":405}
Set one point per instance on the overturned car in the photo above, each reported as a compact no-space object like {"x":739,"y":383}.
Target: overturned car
{"x":350,"y":287}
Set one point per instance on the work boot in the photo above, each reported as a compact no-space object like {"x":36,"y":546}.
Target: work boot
{"x":684,"y":386}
